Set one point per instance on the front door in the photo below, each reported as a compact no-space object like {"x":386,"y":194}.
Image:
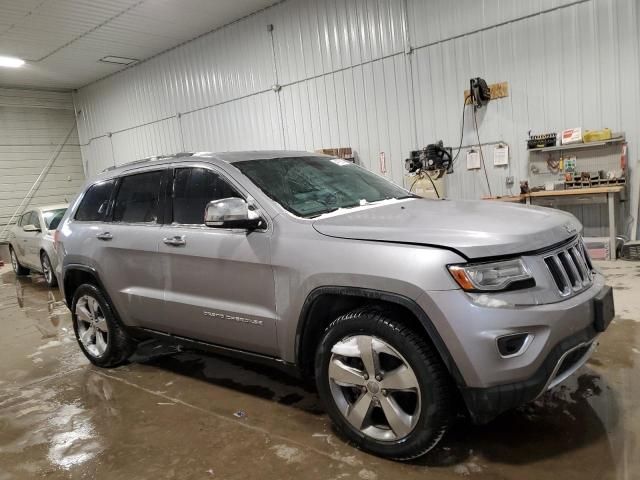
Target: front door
{"x":219,"y":284}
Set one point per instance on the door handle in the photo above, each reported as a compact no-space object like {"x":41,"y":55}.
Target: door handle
{"x":104,"y":236}
{"x":176,"y":241}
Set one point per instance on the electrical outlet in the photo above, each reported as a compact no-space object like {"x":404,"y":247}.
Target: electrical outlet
{"x":510,"y":182}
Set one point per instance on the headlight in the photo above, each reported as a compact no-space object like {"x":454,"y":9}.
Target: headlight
{"x":494,"y":276}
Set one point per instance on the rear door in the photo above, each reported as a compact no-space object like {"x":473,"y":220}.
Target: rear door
{"x":219,"y":283}
{"x":127,"y":248}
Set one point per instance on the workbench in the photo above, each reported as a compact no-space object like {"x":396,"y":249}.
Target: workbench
{"x":577,"y":196}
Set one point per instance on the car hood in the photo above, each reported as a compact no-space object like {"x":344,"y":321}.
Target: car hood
{"x":474,"y":228}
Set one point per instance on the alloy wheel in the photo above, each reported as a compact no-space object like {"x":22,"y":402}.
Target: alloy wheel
{"x":374,"y":387}
{"x":93,"y":330}
{"x":14,"y":261}
{"x":46,"y":268}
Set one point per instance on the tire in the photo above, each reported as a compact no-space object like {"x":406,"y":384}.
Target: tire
{"x":101,"y":337}
{"x":15,"y":263}
{"x":412,"y":380}
{"x":47,"y":270}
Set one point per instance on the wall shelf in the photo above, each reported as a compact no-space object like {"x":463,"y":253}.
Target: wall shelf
{"x":575,"y":146}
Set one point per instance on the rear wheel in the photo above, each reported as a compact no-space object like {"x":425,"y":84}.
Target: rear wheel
{"x":17,"y":268}
{"x":100,"y":336}
{"x":47,"y":270}
{"x":384,"y":386}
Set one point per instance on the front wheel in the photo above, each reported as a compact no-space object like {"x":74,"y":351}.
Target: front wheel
{"x":17,"y":268}
{"x":100,"y":336}
{"x":384,"y":386}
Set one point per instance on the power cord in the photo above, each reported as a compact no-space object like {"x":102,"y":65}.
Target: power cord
{"x":418,"y":176}
{"x":484,"y":167}
{"x":464,"y":106}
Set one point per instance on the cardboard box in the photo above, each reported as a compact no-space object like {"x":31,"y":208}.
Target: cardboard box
{"x":571,"y":135}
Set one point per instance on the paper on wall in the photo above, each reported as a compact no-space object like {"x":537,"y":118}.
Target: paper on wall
{"x":473,"y":160}
{"x":501,"y":155}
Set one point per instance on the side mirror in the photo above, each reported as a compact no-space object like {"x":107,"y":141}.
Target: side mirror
{"x":231,"y":212}
{"x":30,"y":228}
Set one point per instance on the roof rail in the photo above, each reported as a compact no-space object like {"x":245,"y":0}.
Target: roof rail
{"x":150,"y":159}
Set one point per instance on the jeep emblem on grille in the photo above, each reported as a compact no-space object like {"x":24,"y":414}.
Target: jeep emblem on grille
{"x":571,"y":228}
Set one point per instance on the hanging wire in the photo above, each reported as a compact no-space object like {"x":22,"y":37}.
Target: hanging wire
{"x":484,"y":167}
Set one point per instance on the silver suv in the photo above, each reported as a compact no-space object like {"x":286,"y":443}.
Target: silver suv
{"x":401,"y":308}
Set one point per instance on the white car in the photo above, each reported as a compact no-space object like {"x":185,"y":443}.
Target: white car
{"x":31,"y":241}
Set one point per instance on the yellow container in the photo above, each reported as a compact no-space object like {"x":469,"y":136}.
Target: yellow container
{"x":596,"y":135}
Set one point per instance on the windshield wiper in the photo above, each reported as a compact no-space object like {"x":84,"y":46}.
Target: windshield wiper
{"x":324,"y":211}
{"x":334,"y":209}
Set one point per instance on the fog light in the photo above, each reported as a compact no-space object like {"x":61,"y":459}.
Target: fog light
{"x":514,"y":344}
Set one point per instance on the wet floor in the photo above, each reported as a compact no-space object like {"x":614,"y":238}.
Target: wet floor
{"x":175,"y":414}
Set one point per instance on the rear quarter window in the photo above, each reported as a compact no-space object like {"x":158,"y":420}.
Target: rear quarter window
{"x":94,"y":204}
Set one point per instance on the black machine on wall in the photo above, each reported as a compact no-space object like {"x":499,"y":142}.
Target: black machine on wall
{"x":434,"y":156}
{"x":479,"y":92}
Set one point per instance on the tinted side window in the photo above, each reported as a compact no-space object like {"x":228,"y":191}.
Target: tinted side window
{"x":193,"y":188}
{"x":95,"y":202}
{"x":138,"y":198}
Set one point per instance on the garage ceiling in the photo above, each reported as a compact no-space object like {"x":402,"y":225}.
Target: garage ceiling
{"x":64,"y":40}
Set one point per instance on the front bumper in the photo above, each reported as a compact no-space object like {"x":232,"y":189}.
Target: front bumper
{"x":563,"y":336}
{"x":565,"y":358}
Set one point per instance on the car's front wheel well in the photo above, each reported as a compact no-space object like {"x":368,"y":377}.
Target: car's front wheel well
{"x":73,"y":279}
{"x":323,"y":308}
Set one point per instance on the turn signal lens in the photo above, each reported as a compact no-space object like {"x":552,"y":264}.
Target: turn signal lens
{"x":461,"y":277}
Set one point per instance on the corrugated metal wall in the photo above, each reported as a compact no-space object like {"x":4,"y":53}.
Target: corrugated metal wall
{"x":32,"y":125}
{"x":379,"y":76}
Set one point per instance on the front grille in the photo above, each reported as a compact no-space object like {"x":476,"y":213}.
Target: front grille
{"x":570,"y":268}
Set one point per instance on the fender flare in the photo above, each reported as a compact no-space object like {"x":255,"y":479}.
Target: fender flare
{"x":389,"y":297}
{"x":100,"y":285}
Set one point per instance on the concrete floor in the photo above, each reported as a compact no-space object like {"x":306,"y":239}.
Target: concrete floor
{"x":184,"y":415}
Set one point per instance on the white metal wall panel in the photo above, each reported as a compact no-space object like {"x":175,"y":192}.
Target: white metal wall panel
{"x":317,"y":37}
{"x":97,"y":156}
{"x":225,"y":127}
{"x":156,"y":138}
{"x":347,"y":80}
{"x":32,"y":125}
{"x":433,"y":21}
{"x":227,"y":64}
